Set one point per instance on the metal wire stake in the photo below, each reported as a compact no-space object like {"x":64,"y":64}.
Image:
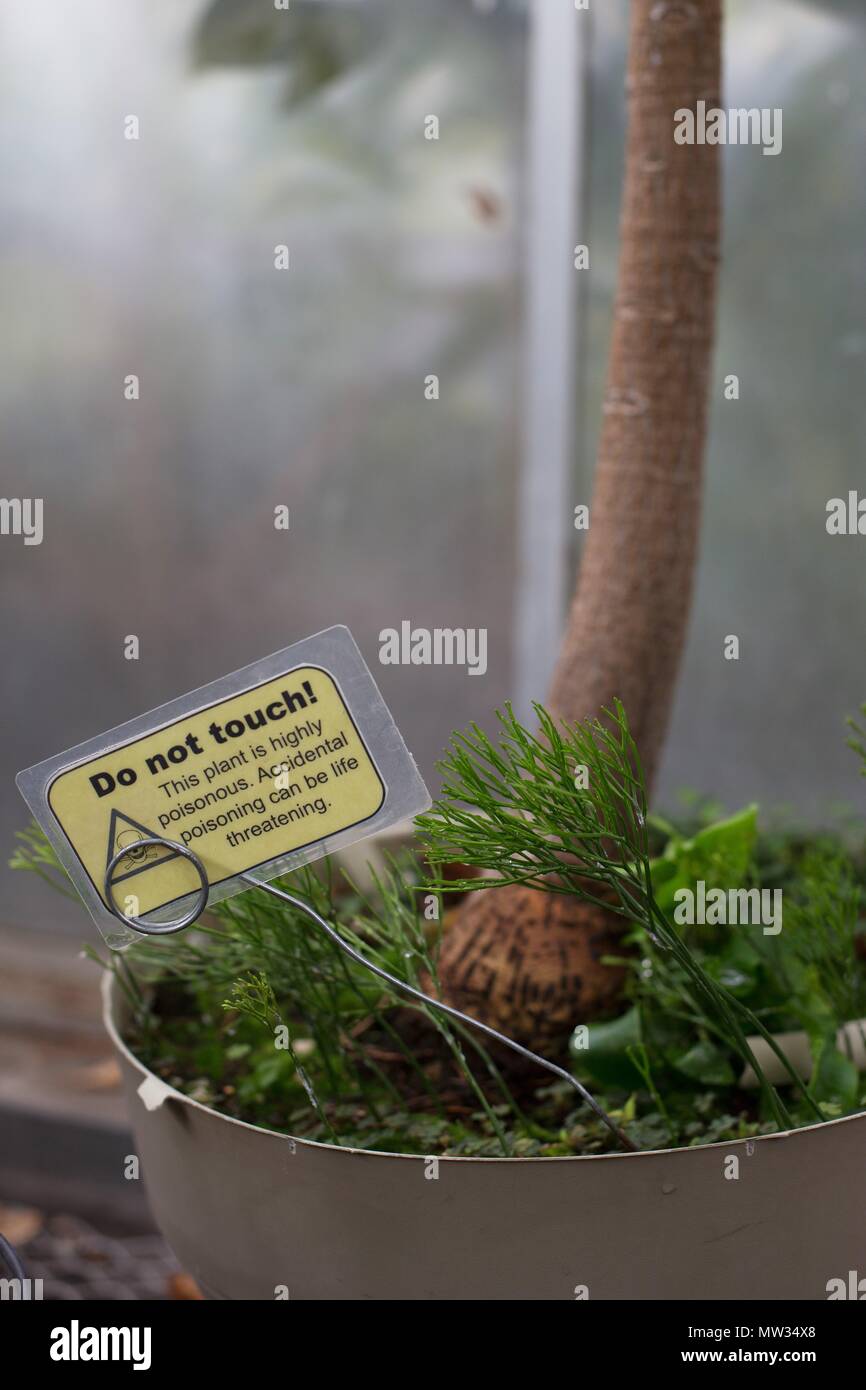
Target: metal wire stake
{"x":164,"y":929}
{"x":9,"y":1257}
{"x":564,"y":1075}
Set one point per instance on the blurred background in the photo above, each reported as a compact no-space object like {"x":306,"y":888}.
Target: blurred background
{"x":408,"y":257}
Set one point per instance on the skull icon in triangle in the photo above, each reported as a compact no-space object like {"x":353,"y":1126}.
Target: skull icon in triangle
{"x":126,"y":833}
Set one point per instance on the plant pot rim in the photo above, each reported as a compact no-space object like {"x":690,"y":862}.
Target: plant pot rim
{"x":111,"y":998}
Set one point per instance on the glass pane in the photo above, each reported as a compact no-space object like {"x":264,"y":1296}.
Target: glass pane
{"x":258,"y":387}
{"x":792,"y":327}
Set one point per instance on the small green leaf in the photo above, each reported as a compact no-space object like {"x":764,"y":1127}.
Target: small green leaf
{"x":720,"y":854}
{"x":737,"y":966}
{"x":604,"y":1057}
{"x":835,"y":1080}
{"x":706,"y":1063}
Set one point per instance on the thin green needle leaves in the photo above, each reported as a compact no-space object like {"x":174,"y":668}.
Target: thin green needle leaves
{"x":565,"y":810}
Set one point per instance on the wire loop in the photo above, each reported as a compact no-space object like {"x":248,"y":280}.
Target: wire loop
{"x":158,"y":928}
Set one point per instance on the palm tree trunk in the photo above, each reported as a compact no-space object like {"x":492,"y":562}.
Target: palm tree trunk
{"x":525,"y":960}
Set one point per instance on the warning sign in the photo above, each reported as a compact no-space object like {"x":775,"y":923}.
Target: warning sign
{"x":266,"y":776}
{"x":242,"y":782}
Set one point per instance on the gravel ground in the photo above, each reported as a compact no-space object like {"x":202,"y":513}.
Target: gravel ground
{"x":76,"y":1261}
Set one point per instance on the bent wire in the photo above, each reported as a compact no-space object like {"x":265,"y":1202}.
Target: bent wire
{"x":168,"y":928}
{"x":9,"y":1257}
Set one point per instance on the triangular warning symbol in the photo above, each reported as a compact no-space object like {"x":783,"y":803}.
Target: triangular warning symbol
{"x":123,"y":833}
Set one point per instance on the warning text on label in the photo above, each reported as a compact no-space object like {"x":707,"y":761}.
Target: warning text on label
{"x":250,"y":779}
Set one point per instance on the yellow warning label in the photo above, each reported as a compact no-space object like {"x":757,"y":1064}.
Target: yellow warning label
{"x":244,"y":781}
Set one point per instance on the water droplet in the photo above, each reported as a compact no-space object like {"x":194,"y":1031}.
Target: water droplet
{"x":656,"y":940}
{"x":668,"y":1188}
{"x":308,"y":1087}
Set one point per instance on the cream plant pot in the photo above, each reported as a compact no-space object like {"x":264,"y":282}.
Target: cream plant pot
{"x":252,"y":1214}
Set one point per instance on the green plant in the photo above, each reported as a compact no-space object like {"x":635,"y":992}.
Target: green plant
{"x":276,"y":969}
{"x":809,"y":977}
{"x":565,"y":810}
{"x":259,"y":1014}
{"x":34,"y":854}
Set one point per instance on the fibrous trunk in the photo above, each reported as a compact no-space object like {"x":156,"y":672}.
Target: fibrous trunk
{"x":523,"y":960}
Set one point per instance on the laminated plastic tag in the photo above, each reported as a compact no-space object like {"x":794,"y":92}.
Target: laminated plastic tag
{"x":257,"y":773}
